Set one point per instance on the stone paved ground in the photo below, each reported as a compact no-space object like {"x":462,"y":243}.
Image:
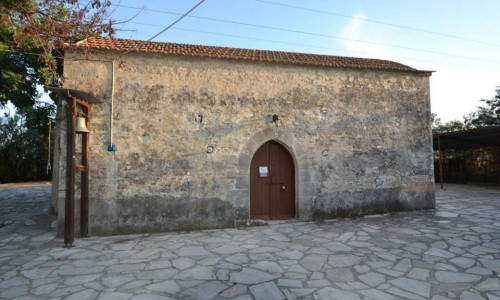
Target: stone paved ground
{"x":450,"y":253}
{"x":25,"y":208}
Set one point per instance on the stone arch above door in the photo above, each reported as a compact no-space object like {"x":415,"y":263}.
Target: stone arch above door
{"x":304,"y":189}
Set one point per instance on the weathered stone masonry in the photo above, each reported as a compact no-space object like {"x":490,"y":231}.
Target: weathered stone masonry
{"x":360,"y":139}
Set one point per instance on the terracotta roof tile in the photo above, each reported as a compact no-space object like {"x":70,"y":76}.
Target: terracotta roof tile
{"x":244,"y":54}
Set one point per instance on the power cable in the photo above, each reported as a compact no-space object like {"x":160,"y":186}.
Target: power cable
{"x":319,"y":35}
{"x":112,"y":147}
{"x":182,"y":16}
{"x":176,"y":21}
{"x":379,"y":22}
{"x":279,"y":42}
{"x":236,"y":36}
{"x":248,"y":38}
{"x":283,"y":42}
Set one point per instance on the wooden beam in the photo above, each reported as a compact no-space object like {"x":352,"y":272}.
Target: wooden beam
{"x":498,"y":165}
{"x":69,"y":209}
{"x":80,"y":168}
{"x":83,"y":103}
{"x":84,"y":202}
{"x":71,"y":93}
{"x":440,"y":161}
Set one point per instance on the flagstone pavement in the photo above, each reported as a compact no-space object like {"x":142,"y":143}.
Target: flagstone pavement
{"x":452,"y":252}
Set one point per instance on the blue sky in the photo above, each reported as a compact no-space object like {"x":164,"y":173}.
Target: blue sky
{"x":464,"y":48}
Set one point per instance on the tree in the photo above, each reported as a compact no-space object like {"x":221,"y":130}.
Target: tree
{"x":32,"y":33}
{"x":483,"y":116}
{"x":24,"y":144}
{"x":453,"y":125}
{"x":487,"y":115}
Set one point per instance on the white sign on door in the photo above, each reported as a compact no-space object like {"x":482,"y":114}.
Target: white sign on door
{"x":263,"y":171}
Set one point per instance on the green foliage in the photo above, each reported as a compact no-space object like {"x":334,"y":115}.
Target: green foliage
{"x":454,"y":125}
{"x":488,"y":114}
{"x":24,"y":144}
{"x":32,"y":34}
{"x":483,"y":116}
{"x":481,"y":163}
{"x":18,"y":78}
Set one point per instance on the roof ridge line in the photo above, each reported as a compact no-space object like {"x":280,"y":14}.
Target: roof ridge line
{"x":245,"y":54}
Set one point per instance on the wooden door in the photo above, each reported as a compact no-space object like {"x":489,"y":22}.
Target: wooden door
{"x":272,"y":183}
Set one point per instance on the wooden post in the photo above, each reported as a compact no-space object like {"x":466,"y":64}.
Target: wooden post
{"x":498,"y":165}
{"x":69,"y":210}
{"x":440,"y":161}
{"x":84,"y":201}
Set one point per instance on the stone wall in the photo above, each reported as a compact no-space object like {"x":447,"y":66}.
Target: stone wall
{"x":360,"y":139}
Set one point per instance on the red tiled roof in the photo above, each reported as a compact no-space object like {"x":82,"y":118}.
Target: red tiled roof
{"x":244,"y":54}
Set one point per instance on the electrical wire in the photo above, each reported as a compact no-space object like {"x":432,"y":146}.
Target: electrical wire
{"x":112,"y":147}
{"x":228,"y":35}
{"x":176,"y":21}
{"x":286,"y":43}
{"x":248,"y":38}
{"x":378,"y":22}
{"x":49,"y":166}
{"x":234,"y":36}
{"x":321,"y":35}
{"x":399,"y":58}
{"x":166,"y":28}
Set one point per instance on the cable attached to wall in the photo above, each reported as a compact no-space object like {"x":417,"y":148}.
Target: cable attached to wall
{"x":112,"y":147}
{"x":49,"y":165}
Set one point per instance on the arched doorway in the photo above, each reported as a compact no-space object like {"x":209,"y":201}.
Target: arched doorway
{"x":272,"y":183}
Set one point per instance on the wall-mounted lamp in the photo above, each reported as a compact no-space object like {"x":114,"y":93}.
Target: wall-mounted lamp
{"x":323,"y":113}
{"x":276,"y":120}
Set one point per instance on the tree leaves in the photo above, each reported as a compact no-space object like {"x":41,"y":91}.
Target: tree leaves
{"x":24,"y":144}
{"x":487,"y":115}
{"x":483,"y":116}
{"x":32,"y":36}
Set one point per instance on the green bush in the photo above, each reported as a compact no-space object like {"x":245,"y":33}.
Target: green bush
{"x":24,"y":144}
